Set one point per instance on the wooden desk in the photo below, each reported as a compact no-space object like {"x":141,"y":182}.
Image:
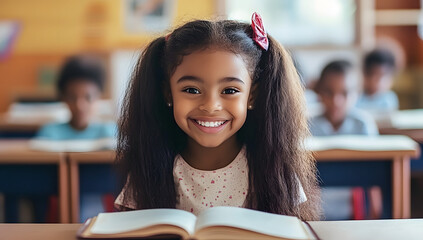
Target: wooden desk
{"x":410,"y":229}
{"x":405,"y":122}
{"x":414,"y":133}
{"x":75,"y":159}
{"x":18,"y":152}
{"x":399,"y":155}
{"x":39,"y":231}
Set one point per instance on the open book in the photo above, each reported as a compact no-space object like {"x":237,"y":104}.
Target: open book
{"x":213,"y":223}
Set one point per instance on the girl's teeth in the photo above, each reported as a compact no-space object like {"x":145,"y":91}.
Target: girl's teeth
{"x":210,"y":124}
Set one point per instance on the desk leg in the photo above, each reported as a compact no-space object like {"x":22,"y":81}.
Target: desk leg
{"x":406,"y":192}
{"x":401,"y":187}
{"x":74,"y":176}
{"x":397,"y":188}
{"x":63,"y":191}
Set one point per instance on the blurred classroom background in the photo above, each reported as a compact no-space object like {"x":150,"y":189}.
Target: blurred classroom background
{"x":37,"y":37}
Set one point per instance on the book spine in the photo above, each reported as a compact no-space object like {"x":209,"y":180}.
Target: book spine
{"x":80,"y":233}
{"x":312,"y":231}
{"x":358,"y":203}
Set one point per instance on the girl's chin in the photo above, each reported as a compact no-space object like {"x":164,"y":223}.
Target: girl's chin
{"x":210,"y":144}
{"x":207,"y":143}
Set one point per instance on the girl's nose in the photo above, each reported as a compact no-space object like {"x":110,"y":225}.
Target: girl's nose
{"x":211,"y":104}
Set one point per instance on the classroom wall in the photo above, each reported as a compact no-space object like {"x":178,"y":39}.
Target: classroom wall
{"x":51,"y":30}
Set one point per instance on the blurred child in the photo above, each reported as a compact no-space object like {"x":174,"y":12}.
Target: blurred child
{"x":379,"y":69}
{"x":79,"y":85}
{"x":336,"y":88}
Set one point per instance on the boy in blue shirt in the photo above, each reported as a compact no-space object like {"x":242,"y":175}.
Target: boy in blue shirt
{"x":79,"y":85}
{"x":336,"y":88}
{"x":379,"y":69}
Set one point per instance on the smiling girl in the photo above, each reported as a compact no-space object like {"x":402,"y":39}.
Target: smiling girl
{"x":214,"y":116}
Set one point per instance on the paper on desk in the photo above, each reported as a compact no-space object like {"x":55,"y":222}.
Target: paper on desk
{"x":361,"y":143}
{"x":408,"y":119}
{"x":73,"y":145}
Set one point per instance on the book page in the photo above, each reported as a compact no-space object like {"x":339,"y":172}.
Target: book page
{"x":119,"y":222}
{"x":361,"y":143}
{"x":256,"y":221}
{"x":72,"y":145}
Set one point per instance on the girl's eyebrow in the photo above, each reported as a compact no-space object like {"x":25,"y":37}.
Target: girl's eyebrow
{"x":230,"y":79}
{"x":189,"y":78}
{"x":197,"y":79}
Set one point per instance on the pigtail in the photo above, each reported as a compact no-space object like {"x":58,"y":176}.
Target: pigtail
{"x":275,"y":131}
{"x":145,"y":152}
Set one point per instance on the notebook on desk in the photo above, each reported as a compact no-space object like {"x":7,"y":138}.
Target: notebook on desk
{"x":213,"y":223}
{"x":361,"y":143}
{"x":73,"y":145}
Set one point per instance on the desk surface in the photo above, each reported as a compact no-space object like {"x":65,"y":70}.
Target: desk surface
{"x":398,"y":146}
{"x":39,"y":231}
{"x":354,"y":155}
{"x":409,"y":229}
{"x":359,"y":148}
{"x":18,"y":151}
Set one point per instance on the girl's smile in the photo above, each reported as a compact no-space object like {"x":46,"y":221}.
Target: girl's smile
{"x":210,"y":126}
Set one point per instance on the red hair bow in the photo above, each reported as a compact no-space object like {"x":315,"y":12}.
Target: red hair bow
{"x":260,"y":35}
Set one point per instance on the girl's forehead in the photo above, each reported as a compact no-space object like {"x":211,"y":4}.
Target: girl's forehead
{"x":212,"y":62}
{"x":211,"y":54}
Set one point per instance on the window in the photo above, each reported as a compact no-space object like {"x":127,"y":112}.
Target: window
{"x":301,"y":22}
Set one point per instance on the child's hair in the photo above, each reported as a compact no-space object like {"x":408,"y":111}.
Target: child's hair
{"x":149,"y":138}
{"x":379,"y":57}
{"x":338,"y":67}
{"x":77,"y":68}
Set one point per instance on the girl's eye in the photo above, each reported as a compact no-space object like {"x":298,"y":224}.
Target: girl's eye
{"x":230,"y":91}
{"x":191,"y":90}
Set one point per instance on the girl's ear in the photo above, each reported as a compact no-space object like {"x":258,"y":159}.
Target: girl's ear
{"x":253,"y":95}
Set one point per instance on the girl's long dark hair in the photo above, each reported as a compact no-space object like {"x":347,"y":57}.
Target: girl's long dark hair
{"x":149,"y":138}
